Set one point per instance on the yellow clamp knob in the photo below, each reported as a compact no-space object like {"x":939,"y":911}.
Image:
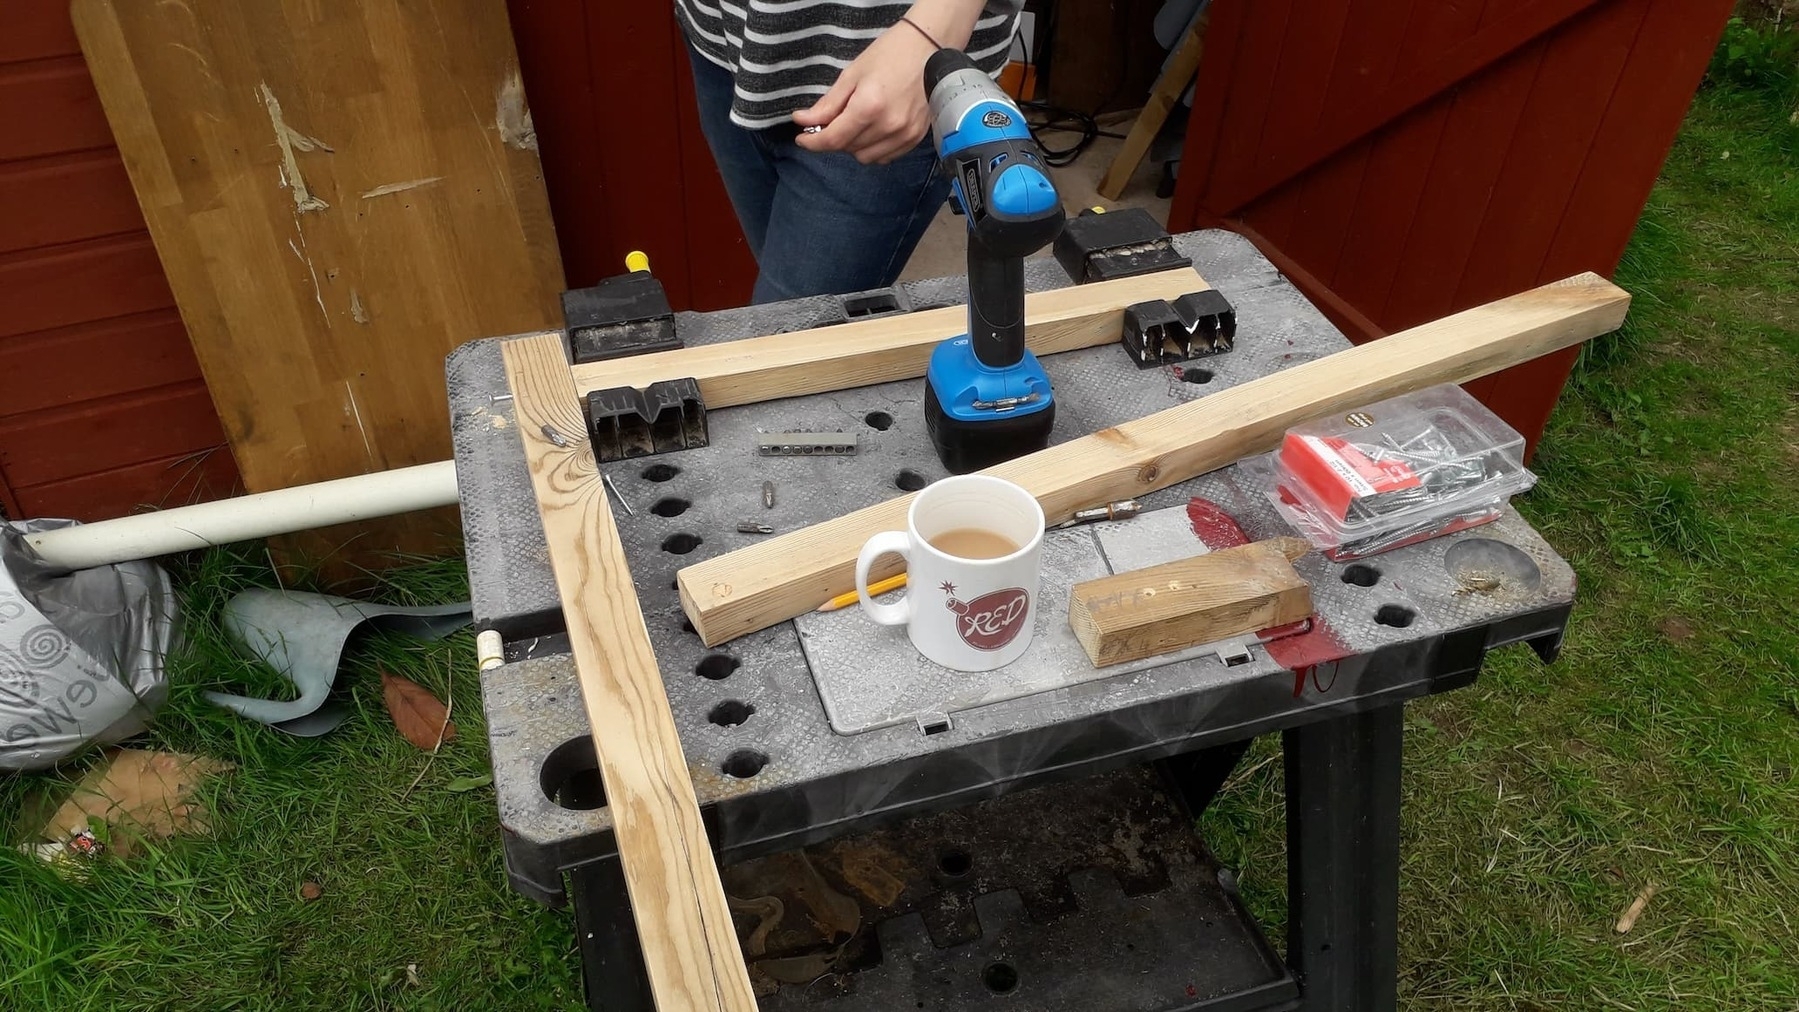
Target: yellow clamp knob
{"x":636,"y":261}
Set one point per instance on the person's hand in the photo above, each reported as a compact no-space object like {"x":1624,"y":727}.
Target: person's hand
{"x":877,"y":110}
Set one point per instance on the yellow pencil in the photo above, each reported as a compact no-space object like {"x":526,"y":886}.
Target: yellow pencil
{"x":874,"y":590}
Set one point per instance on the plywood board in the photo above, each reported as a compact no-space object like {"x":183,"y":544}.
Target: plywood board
{"x":340,"y":192}
{"x":683,"y":921}
{"x":781,"y":577}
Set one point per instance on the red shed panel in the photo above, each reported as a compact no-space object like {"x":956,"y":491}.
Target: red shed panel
{"x":102,"y":409}
{"x":1402,"y":161}
{"x":623,"y":157}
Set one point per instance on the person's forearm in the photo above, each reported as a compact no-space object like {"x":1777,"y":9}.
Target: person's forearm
{"x":950,"y":22}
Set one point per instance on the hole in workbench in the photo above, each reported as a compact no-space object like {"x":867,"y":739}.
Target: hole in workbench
{"x":1395,"y":615}
{"x":1197,"y":375}
{"x":955,"y":862}
{"x":1361,"y":576}
{"x":879,"y":420}
{"x":670,"y":507}
{"x":743,"y":763}
{"x":717,"y":666}
{"x":730,"y":713}
{"x":909,"y":480}
{"x":686,"y":623}
{"x":570,"y":776}
{"x":681,"y":544}
{"x":1000,"y":978}
{"x":660,"y":472}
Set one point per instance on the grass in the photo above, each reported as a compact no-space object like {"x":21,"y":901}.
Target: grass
{"x":1663,"y":747}
{"x":410,"y":878}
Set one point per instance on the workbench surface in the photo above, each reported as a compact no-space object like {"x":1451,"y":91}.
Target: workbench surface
{"x":1418,"y":628}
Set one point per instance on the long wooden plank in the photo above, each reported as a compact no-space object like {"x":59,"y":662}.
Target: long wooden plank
{"x":341,"y":192}
{"x":883,"y":349}
{"x":683,"y":923}
{"x":777,"y":579}
{"x":1162,"y":98}
{"x":1202,"y":599}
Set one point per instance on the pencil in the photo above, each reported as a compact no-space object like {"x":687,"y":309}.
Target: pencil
{"x":874,"y":589}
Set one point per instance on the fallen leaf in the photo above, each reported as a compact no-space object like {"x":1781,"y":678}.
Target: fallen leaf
{"x":461,"y":785}
{"x":412,"y":975}
{"x":136,"y":793}
{"x":768,"y":912}
{"x":1628,"y":919}
{"x":310,"y":891}
{"x":1675,"y":628}
{"x":420,"y":717}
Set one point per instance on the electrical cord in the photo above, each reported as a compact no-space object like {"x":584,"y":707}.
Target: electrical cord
{"x":1043,"y":117}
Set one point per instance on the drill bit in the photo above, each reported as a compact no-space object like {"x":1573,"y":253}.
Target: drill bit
{"x":751,"y":527}
{"x":1122,"y":510}
{"x":768,"y":495}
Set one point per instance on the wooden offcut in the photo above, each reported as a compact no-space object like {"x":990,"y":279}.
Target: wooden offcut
{"x":1180,"y":604}
{"x":1172,"y":83}
{"x":340,"y":192}
{"x":786,"y":576}
{"x":883,"y":349}
{"x":683,"y":922}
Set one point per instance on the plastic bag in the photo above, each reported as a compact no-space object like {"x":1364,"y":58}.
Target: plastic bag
{"x":81,"y":654}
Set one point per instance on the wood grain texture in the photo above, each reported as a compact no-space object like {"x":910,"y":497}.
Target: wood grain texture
{"x":689,"y":945}
{"x":1162,"y":99}
{"x":883,"y":349}
{"x":1180,"y":604}
{"x":340,"y":193}
{"x":776,"y":579}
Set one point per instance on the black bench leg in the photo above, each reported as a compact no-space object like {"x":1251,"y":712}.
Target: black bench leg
{"x":1343,"y":860}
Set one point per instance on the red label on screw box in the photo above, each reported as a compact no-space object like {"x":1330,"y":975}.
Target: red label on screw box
{"x":1337,"y":474}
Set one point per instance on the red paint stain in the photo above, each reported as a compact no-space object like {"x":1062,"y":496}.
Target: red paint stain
{"x":1311,"y":655}
{"x":1214,"y":527}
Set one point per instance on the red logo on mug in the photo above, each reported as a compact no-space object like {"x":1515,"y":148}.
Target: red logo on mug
{"x":990,"y":621}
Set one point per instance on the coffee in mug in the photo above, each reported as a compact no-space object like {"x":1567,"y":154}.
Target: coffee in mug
{"x":973,"y":546}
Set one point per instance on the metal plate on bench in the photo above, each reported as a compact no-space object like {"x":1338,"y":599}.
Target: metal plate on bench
{"x":845,"y":649}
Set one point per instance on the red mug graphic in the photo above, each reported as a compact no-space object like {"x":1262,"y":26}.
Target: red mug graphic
{"x":990,"y":621}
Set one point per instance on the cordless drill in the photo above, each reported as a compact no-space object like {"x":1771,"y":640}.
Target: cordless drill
{"x":987,"y":398}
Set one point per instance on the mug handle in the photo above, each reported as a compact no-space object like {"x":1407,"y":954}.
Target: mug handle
{"x":887,"y":542}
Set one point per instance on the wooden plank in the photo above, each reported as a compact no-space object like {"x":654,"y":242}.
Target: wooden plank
{"x":341,"y":192}
{"x":781,"y":577}
{"x":683,"y":923}
{"x":1180,"y":604}
{"x":1179,"y":70}
{"x":883,"y":349}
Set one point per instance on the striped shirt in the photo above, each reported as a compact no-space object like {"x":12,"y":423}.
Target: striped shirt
{"x":784,"y":54}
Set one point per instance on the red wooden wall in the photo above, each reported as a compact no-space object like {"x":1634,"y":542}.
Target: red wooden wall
{"x":102,"y":407}
{"x":1400,"y":161}
{"x":101,"y":403}
{"x":627,"y":167}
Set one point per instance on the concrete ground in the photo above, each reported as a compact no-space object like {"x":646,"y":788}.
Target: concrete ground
{"x":943,"y":250}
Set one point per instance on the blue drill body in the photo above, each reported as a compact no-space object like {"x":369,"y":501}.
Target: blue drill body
{"x":987,"y":397}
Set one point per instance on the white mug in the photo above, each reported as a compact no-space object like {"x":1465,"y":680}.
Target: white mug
{"x":969,"y":614}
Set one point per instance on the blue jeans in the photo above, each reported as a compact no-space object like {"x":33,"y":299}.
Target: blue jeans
{"x":817,"y":223}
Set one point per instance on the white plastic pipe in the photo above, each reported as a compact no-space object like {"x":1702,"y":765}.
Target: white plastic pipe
{"x":283,"y":511}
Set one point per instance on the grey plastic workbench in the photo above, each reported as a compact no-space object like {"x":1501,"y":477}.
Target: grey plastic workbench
{"x":784,"y":778}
